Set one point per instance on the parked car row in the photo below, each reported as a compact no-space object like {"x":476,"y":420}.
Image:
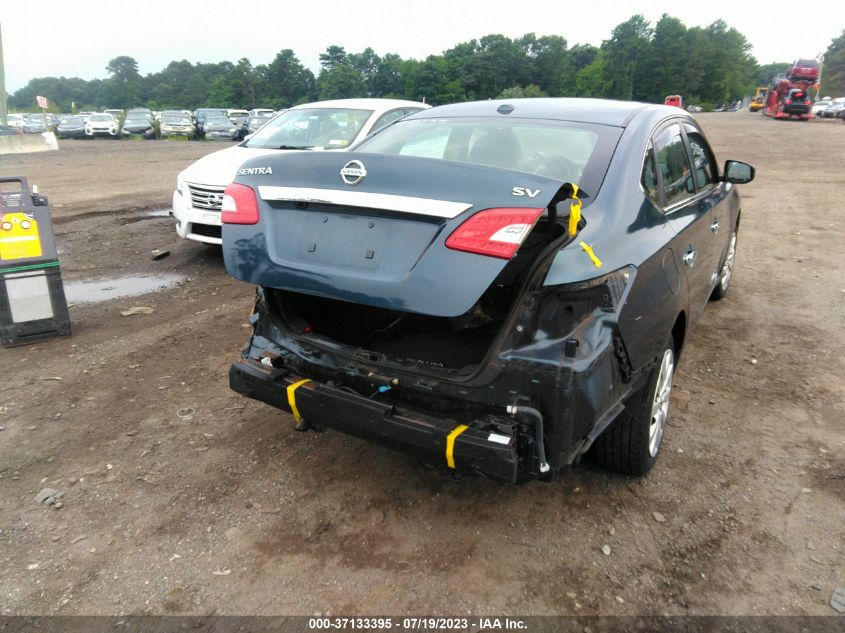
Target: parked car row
{"x":828,"y":108}
{"x":27,"y":123}
{"x":429,"y":280}
{"x":226,"y":124}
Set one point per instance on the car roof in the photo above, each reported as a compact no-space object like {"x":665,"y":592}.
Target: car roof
{"x":363,"y":104}
{"x":601,"y":111}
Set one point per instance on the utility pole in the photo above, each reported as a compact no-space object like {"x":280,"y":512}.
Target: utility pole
{"x":2,"y":83}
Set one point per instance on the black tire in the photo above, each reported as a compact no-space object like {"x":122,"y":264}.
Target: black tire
{"x":626,"y":445}
{"x":726,"y":271}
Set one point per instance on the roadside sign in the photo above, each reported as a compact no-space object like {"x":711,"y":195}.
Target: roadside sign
{"x":42,"y":101}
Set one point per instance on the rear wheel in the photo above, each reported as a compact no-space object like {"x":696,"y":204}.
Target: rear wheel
{"x":631,"y":444}
{"x":726,"y":272}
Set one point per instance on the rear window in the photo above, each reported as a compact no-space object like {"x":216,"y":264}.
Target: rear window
{"x":563,"y":150}
{"x":807,"y":63}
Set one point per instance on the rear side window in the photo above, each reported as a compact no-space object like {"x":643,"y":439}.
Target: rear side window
{"x":649,"y":178}
{"x":388,"y":117}
{"x":673,"y":164}
{"x":704,"y":167}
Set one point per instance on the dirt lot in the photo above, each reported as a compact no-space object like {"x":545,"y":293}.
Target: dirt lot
{"x":182,"y":497}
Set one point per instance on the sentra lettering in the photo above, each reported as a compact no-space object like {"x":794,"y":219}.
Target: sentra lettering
{"x":256,"y":171}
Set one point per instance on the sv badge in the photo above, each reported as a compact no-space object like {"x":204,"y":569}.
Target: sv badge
{"x":525,"y":191}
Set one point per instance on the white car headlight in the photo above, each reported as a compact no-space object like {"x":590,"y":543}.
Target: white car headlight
{"x":231,"y":130}
{"x":180,"y":183}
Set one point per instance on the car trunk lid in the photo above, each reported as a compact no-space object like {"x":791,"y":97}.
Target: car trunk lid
{"x":376,"y":234}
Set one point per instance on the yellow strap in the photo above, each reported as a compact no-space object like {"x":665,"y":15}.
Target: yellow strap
{"x":292,"y":398}
{"x":589,"y":250}
{"x":450,"y":444}
{"x":574,"y":212}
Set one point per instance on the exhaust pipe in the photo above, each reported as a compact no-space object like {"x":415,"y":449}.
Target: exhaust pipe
{"x":538,"y":430}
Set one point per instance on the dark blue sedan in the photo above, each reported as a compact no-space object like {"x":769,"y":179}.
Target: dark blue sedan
{"x":501,"y":286}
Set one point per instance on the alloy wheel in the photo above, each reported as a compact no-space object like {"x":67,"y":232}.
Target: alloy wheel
{"x":660,"y":403}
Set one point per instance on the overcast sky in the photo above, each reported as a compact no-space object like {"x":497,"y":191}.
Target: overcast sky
{"x":79,"y":37}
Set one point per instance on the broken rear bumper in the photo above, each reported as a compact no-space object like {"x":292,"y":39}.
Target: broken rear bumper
{"x":483,"y":447}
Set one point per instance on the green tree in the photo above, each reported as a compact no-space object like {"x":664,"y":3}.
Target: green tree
{"x":287,"y":82}
{"x":499,"y":62}
{"x":341,"y":82}
{"x":699,"y":49}
{"x":387,"y":80}
{"x":624,"y":63}
{"x":666,"y":59}
{"x":590,"y":81}
{"x":433,"y":81}
{"x":833,"y":69}
{"x":333,"y":57}
{"x":61,"y":92}
{"x":551,"y":63}
{"x":582,"y":55}
{"x":367,"y":63}
{"x":123,"y":86}
{"x":518,"y":92}
{"x":729,"y":73}
{"x":763,"y":74}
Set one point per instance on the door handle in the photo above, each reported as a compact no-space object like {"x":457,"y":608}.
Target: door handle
{"x":715,"y":226}
{"x":689,"y":258}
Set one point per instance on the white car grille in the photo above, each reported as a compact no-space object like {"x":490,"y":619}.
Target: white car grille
{"x":206,"y":196}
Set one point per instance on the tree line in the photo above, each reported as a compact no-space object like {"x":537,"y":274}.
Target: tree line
{"x":639,"y":61}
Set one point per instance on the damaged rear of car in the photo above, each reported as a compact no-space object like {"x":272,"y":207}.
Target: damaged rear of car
{"x":433,"y":290}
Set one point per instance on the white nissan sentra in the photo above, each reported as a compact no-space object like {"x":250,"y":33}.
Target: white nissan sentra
{"x":325,"y":125}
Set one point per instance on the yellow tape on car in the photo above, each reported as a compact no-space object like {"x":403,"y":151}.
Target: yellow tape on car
{"x":292,"y":398}
{"x":450,"y":444}
{"x":589,"y":250}
{"x":574,"y":211}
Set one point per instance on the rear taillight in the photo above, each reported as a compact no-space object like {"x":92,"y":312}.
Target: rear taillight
{"x":240,"y":206}
{"x":494,"y":232}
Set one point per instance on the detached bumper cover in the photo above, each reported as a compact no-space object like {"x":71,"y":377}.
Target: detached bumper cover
{"x":463,"y":445}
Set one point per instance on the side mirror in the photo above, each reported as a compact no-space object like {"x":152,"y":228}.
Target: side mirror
{"x":737,"y":172}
